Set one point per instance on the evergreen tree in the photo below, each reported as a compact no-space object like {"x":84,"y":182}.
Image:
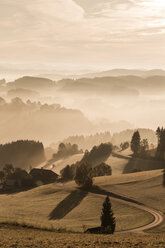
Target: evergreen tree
{"x":108,"y":222}
{"x":158,"y":132}
{"x":67,"y":173}
{"x":161,"y":143}
{"x":135,"y":143}
{"x":164,"y":178}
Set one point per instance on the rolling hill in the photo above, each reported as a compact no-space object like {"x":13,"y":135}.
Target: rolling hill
{"x":65,"y":206}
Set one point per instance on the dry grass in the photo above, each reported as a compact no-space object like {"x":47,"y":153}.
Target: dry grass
{"x":34,"y":208}
{"x":16,"y":237}
{"x":127,"y":178}
{"x":117,"y":164}
{"x":39,"y":207}
{"x":145,"y":187}
{"x":61,"y":163}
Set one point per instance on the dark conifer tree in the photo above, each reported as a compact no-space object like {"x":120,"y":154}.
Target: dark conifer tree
{"x":135,"y":143}
{"x":158,"y":131}
{"x":108,"y":222}
{"x":67,"y":173}
{"x":161,"y":143}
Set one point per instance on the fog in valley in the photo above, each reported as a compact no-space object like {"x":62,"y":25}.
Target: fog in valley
{"x":51,"y":110}
{"x":60,"y":68}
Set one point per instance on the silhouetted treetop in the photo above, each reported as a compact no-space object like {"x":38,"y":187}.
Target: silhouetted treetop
{"x":135,"y":143}
{"x":160,"y":132}
{"x":98,"y":154}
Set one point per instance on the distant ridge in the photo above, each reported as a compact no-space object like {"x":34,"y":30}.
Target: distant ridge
{"x":126,"y":85}
{"x":108,"y":73}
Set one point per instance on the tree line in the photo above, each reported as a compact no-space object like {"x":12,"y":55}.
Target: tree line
{"x":87,"y":142}
{"x":138,"y":146}
{"x":92,"y":161}
{"x":22,"y":153}
{"x":65,"y":150}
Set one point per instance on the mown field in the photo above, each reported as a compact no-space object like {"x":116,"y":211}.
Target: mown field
{"x":65,"y":206}
{"x":145,"y":187}
{"x":16,"y":237}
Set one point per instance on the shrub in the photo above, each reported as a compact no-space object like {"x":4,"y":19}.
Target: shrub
{"x":65,"y":150}
{"x":101,"y":170}
{"x":124,"y":145}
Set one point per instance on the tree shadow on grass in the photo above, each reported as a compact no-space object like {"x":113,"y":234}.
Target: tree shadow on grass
{"x":137,"y":164}
{"x":116,"y":155}
{"x":75,"y":198}
{"x":68,"y":204}
{"x":97,"y":190}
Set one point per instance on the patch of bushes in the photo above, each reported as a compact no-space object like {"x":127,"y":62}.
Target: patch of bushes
{"x":101,"y":170}
{"x":68,"y":173}
{"x":95,"y":158}
{"x":65,"y":150}
{"x":124,"y":145}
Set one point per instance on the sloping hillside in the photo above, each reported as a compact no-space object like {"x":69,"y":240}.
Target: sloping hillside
{"x":60,"y":164}
{"x":138,"y":164}
{"x":126,"y":135}
{"x":65,"y":206}
{"x":145,"y":187}
{"x":117,"y":163}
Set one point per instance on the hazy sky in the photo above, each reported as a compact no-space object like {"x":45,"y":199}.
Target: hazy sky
{"x":82,"y":34}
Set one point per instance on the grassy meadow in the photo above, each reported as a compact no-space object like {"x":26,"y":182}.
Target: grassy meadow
{"x":65,"y":212}
{"x":65,"y":206}
{"x":75,"y":209}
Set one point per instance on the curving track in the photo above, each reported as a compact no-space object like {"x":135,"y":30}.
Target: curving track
{"x":158,"y":217}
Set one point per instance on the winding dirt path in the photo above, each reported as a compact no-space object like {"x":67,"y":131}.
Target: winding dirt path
{"x":158,"y":217}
